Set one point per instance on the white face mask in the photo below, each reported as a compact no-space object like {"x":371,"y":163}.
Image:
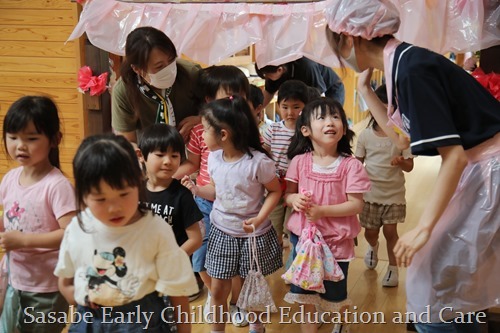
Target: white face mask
{"x":165,"y":78}
{"x":351,"y":61}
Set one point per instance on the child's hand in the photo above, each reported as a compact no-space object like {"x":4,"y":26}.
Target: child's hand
{"x":314,"y":212}
{"x":300,"y":202}
{"x":397,"y":160}
{"x":12,"y":240}
{"x":250,"y":225}
{"x":189,"y":184}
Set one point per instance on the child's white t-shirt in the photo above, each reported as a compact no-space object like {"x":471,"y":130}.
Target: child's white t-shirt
{"x":113,"y":266}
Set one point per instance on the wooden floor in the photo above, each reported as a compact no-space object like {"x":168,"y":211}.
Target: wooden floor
{"x":364,"y":285}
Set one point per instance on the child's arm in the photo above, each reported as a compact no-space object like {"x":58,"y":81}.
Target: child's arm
{"x":266,"y":147}
{"x":194,"y":239}
{"x":181,"y":305}
{"x":406,"y":164}
{"x":378,"y":109}
{"x":298,"y":201}
{"x":189,"y":166}
{"x":206,"y":192}
{"x":67,"y":289}
{"x":453,"y":164}
{"x":353,"y":206}
{"x":273,"y":196}
{"x":13,"y":240}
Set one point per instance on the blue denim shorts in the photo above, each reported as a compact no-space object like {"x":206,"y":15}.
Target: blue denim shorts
{"x":198,"y":258}
{"x":335,"y":291}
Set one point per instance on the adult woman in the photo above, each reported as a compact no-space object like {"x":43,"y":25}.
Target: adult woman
{"x":442,"y":110}
{"x":154,"y":86}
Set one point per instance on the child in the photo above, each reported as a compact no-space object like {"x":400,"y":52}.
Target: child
{"x":218,"y":82}
{"x":115,"y":253}
{"x":241,"y":171}
{"x":292,"y":96}
{"x":256,"y":98}
{"x":385,"y":204}
{"x":162,"y":150}
{"x":38,"y":202}
{"x":321,"y":163}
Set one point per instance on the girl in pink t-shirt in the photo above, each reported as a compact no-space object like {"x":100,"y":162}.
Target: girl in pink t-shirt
{"x":325,"y":185}
{"x":38,"y":203}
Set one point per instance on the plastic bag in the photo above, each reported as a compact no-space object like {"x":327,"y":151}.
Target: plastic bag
{"x":255,"y":294}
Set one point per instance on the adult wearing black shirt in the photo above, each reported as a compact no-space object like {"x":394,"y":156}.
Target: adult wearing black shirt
{"x":311,"y":73}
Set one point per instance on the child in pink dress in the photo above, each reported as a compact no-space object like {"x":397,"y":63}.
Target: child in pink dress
{"x":325,"y":185}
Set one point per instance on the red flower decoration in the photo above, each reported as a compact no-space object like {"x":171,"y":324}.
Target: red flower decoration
{"x":490,"y":81}
{"x":95,"y":84}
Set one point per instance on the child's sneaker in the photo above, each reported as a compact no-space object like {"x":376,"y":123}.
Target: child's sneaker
{"x":391,"y":277}
{"x":340,"y":328}
{"x":208,"y":316}
{"x":371,"y":257}
{"x":238,"y":316}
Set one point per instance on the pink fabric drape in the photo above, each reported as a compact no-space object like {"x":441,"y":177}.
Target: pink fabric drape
{"x":211,"y":32}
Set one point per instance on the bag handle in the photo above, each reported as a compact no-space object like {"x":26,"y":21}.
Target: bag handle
{"x":252,"y":247}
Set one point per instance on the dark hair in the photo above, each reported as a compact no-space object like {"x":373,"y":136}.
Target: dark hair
{"x":139,"y":45}
{"x":269,"y":69}
{"x":381,"y":93}
{"x":233,"y":114}
{"x":313,"y":93}
{"x":293,"y":89}
{"x":161,"y":137}
{"x":324,"y":106}
{"x":256,"y":96}
{"x":42,"y":111}
{"x":227,"y":77}
{"x":106,"y":157}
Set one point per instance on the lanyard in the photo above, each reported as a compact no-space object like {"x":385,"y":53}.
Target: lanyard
{"x":394,"y":117}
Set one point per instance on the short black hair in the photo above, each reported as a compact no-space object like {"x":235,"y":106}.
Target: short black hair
{"x":293,"y":89}
{"x":256,"y":96}
{"x":161,"y":137}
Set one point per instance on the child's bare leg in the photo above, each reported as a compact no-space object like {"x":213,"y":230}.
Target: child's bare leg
{"x":391,"y":235}
{"x":207,"y":280}
{"x":236,"y":284}
{"x":220,"y":291}
{"x":310,"y":325}
{"x":371,"y":236}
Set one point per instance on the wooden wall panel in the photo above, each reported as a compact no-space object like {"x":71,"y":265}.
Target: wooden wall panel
{"x":36,"y":60}
{"x":34,"y":33}
{"x":38,"y":49}
{"x":36,"y":4}
{"x":37,"y":17}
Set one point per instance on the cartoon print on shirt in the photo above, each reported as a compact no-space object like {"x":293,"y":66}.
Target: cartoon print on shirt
{"x":108,"y":282}
{"x":14,"y":217}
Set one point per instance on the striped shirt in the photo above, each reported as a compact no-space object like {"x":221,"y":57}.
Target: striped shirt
{"x":278,"y":137}
{"x":197,"y":146}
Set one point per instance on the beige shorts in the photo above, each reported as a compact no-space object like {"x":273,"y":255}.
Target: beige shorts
{"x":374,"y":215}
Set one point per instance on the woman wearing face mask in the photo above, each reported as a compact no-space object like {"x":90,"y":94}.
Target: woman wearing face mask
{"x":155,"y":86}
{"x":452,"y":253}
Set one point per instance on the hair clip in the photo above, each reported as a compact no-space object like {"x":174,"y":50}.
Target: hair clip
{"x":231,"y":97}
